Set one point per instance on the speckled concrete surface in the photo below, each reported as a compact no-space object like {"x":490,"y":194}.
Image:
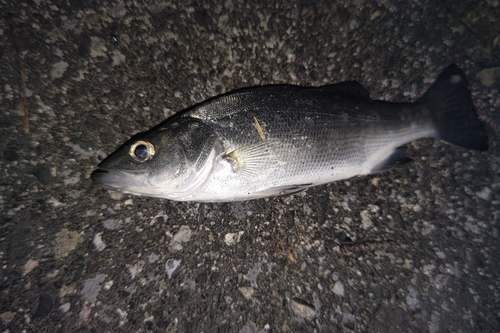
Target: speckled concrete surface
{"x":75,"y":258}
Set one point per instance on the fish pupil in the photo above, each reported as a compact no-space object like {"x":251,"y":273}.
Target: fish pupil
{"x":141,"y":152}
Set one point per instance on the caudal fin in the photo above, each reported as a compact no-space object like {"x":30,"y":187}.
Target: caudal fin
{"x":449,"y":101}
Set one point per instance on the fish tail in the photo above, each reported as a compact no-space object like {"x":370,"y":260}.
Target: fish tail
{"x":450,"y":103}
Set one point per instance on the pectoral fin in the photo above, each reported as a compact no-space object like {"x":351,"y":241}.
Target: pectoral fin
{"x":255,"y":159}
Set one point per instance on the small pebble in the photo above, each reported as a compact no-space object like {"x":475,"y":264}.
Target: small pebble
{"x":98,"y":243}
{"x":302,"y":309}
{"x":247,"y":291}
{"x":233,"y":237}
{"x":171,"y":266}
{"x":489,"y":76}
{"x":338,"y":288}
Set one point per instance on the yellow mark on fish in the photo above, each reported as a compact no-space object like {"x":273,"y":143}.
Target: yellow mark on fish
{"x":235,"y":156}
{"x":259,"y":129}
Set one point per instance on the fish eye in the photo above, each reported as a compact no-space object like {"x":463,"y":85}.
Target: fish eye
{"x":142,"y":151}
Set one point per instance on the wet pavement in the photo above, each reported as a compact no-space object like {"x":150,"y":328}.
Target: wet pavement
{"x":411,"y":250}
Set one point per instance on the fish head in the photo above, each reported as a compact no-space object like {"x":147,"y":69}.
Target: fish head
{"x":170,"y":162}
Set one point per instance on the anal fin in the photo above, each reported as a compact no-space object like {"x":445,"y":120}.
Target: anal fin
{"x":283,"y":190}
{"x":294,"y":189}
{"x":396,"y":159}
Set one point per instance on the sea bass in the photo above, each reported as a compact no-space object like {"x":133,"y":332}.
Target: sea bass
{"x":274,"y":140}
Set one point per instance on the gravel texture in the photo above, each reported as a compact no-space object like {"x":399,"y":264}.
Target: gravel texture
{"x":412,"y":250}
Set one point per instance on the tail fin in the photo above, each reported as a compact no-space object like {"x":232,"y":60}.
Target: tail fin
{"x":449,"y":101}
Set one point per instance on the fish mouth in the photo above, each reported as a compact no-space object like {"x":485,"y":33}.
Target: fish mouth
{"x":120,"y":180}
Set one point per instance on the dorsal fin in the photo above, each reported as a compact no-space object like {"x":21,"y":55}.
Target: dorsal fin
{"x":352,"y":88}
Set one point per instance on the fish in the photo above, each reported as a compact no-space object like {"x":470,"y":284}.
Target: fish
{"x":275,"y":140}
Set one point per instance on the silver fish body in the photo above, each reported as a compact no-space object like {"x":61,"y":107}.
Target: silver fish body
{"x":267,"y":141}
